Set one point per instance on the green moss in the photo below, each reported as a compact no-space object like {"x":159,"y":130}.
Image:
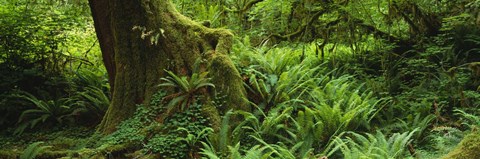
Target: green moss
{"x":55,"y":154}
{"x":90,"y":153}
{"x":141,"y":155}
{"x":64,"y":143}
{"x":9,"y":154}
{"x":469,"y":147}
{"x":212,"y":115}
{"x":140,"y":64}
{"x":228,"y":81}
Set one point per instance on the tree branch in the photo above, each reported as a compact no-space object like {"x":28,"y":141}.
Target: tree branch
{"x":302,"y":28}
{"x":246,"y":6}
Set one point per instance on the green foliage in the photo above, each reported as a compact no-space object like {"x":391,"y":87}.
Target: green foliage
{"x":132,"y":129}
{"x":203,"y":11}
{"x":98,"y":101}
{"x":300,"y":105}
{"x":471,"y":120}
{"x":255,"y":152}
{"x":41,"y":43}
{"x":180,"y":134}
{"x":175,"y":145}
{"x":193,"y":139}
{"x":373,"y":145}
{"x":316,"y":72}
{"x":177,"y":136}
{"x":53,"y":111}
{"x":90,"y":102}
{"x":168,"y":146}
{"x":33,"y":150}
{"x":444,"y":139}
{"x":306,"y":127}
{"x":188,"y":89}
{"x":91,"y":96}
{"x":345,"y":105}
{"x":264,"y":72}
{"x":90,"y":78}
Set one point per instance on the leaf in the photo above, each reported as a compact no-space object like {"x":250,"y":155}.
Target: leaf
{"x":33,"y":150}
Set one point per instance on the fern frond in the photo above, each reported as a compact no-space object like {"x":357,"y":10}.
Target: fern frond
{"x":33,"y":150}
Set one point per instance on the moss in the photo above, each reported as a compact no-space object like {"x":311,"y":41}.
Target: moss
{"x":64,"y":143}
{"x":90,"y":153}
{"x":9,"y":154}
{"x":213,"y":116}
{"x":140,"y":155}
{"x":119,"y":150}
{"x":469,"y":147}
{"x":55,"y":154}
{"x":140,"y":64}
{"x":227,"y":81}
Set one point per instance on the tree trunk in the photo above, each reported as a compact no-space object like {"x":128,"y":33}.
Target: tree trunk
{"x":149,"y":36}
{"x":104,"y":34}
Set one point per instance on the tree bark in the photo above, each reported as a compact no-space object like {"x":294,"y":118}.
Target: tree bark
{"x":150,"y":36}
{"x":104,"y":34}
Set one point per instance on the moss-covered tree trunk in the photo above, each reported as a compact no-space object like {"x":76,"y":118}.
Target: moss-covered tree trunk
{"x":149,"y":36}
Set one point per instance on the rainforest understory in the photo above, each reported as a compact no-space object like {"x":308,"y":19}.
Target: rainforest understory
{"x":239,"y":79}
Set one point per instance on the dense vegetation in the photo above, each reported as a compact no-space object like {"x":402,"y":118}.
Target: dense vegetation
{"x":323,"y":79}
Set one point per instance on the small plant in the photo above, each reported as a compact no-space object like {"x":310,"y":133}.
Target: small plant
{"x":130,"y":130}
{"x":88,"y":78}
{"x":255,"y":152}
{"x":192,"y":139}
{"x":52,"y":110}
{"x":167,"y":146}
{"x":33,"y":150}
{"x":180,"y":134}
{"x":93,"y":100}
{"x":342,"y":105}
{"x":373,"y":145}
{"x":187,"y":87}
{"x":444,"y":138}
{"x":472,"y":120}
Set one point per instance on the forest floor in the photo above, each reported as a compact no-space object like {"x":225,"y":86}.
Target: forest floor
{"x":58,"y":139}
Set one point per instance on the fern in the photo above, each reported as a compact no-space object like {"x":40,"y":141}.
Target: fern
{"x":53,"y":110}
{"x":92,"y":100}
{"x":473,"y":121}
{"x":343,"y":105}
{"x":219,"y":141}
{"x":281,"y":151}
{"x":187,"y":88}
{"x":373,"y":145}
{"x":90,"y":78}
{"x":33,"y":150}
{"x":193,"y":138}
{"x":234,"y":152}
{"x":307,"y":130}
{"x":209,"y":151}
{"x":445,"y":138}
